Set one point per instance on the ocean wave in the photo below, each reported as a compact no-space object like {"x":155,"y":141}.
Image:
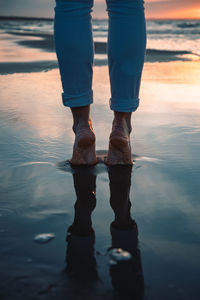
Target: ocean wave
{"x":156,"y":27}
{"x":165,"y":38}
{"x":171,"y":33}
{"x":167,"y":52}
{"x":188,"y":25}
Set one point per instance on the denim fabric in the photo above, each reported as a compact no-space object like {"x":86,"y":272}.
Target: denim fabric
{"x":75,"y":51}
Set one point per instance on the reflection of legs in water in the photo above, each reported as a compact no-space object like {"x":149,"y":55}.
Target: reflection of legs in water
{"x":120,"y":183}
{"x":80,"y":258}
{"x":85,"y":187}
{"x":127,"y":277}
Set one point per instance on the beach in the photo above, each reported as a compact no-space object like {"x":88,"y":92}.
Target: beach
{"x":39,"y":188}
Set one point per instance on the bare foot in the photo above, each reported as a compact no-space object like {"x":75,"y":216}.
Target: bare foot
{"x":119,"y":152}
{"x":84,"y":152}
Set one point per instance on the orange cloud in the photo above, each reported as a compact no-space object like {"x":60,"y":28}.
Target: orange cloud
{"x":193,"y":13}
{"x":168,"y":9}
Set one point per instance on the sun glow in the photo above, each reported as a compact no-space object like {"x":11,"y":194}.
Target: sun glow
{"x":172,"y":9}
{"x":186,"y":14}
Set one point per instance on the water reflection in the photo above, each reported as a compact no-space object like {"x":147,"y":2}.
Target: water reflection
{"x":126,"y":275}
{"x":80,"y":259}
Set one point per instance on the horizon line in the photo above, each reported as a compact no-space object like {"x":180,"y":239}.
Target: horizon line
{"x":96,"y":18}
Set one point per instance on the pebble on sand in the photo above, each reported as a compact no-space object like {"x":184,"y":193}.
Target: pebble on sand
{"x":120,"y":255}
{"x":43,"y":238}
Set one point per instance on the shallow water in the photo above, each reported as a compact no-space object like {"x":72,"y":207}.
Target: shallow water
{"x":38,"y":192}
{"x":172,"y":35}
{"x":38,"y":196}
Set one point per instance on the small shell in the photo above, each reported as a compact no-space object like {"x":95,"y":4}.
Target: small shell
{"x":120,"y":255}
{"x":44,"y":237}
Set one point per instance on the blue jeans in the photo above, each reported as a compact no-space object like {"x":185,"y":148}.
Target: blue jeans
{"x":75,"y":51}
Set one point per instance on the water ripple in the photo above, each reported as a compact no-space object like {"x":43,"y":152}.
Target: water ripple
{"x":31,"y":163}
{"x":5,"y":211}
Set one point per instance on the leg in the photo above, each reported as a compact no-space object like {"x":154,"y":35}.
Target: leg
{"x":126,"y":52}
{"x":74,"y":49}
{"x":75,"y":53}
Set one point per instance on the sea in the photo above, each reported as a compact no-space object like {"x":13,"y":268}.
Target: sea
{"x":170,"y":35}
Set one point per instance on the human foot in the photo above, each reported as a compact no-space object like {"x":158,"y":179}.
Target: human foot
{"x":119,"y":152}
{"x":84,"y":152}
{"x":84,"y":145}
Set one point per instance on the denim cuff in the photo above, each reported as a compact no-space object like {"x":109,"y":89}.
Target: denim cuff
{"x":77,"y":100}
{"x":124,"y":105}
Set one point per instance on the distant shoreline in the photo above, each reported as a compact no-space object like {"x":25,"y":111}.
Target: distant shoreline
{"x":105,"y":19}
{"x":24,"y":18}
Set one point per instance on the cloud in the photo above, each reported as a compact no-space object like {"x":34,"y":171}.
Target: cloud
{"x":45,"y":8}
{"x":36,"y":8}
{"x":171,"y":8}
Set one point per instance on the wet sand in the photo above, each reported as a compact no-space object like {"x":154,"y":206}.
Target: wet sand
{"x":46,"y":42}
{"x":39,"y":191}
{"x":25,"y":60}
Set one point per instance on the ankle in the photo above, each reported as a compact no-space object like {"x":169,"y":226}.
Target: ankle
{"x":122,"y":119}
{"x":81,"y":117}
{"x":80,"y":125}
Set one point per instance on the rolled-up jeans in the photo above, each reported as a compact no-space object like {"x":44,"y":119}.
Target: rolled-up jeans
{"x":126,"y":47}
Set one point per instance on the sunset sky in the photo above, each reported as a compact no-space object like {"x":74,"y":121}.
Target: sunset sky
{"x":154,"y":8}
